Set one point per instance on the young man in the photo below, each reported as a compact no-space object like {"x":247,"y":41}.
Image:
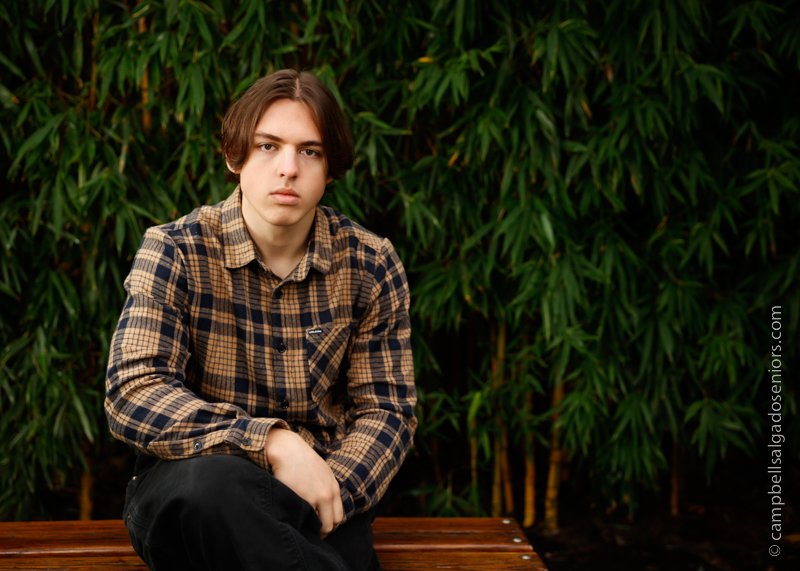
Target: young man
{"x":262,"y":361}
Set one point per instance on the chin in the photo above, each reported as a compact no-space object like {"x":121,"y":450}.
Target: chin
{"x":283,"y":219}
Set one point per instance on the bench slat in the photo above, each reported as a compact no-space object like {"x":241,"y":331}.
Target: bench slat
{"x":64,"y":538}
{"x":461,"y":561}
{"x":403,"y":544}
{"x":477,"y":561}
{"x":449,"y":534}
{"x":86,"y":563}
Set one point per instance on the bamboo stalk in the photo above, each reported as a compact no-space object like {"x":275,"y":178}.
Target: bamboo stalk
{"x":529,"y":518}
{"x":676,"y":480}
{"x":498,"y":337}
{"x":530,"y":491}
{"x":497,"y":482}
{"x":85,"y":504}
{"x":473,"y":456}
{"x":554,"y":471}
{"x":147,"y":118}
{"x":508,"y":488}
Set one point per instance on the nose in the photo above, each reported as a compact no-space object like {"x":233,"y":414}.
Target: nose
{"x":287,"y":166}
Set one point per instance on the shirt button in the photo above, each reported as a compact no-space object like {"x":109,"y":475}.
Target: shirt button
{"x":284,"y":404}
{"x":281,"y":347}
{"x":197,"y":446}
{"x":247,"y":441}
{"x":278,"y":294}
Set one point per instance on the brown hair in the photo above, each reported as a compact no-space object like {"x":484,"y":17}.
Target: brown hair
{"x":241,"y":119}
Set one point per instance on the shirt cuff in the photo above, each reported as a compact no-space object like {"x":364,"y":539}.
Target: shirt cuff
{"x":348,"y":505}
{"x":250,"y":435}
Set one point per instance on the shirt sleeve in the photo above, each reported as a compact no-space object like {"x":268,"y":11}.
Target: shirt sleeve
{"x":380,"y":384}
{"x":147,"y":402}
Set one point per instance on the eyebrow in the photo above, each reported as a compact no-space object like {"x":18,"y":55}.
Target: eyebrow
{"x":277,"y":139}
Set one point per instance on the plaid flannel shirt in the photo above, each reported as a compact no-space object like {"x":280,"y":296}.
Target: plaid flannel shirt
{"x":212,"y":350}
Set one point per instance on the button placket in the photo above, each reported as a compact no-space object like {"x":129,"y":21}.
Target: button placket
{"x":280,"y":344}
{"x":281,"y":347}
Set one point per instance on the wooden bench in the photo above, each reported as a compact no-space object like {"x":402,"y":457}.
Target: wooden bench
{"x":403,"y":544}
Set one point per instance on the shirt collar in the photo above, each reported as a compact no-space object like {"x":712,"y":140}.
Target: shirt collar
{"x":319,"y":252}
{"x":240,"y":250}
{"x":236,"y":242}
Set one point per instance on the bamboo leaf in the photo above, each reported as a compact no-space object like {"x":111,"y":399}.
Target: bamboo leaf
{"x":36,"y":139}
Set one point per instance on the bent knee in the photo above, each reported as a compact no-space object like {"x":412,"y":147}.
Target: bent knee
{"x":217,"y":484}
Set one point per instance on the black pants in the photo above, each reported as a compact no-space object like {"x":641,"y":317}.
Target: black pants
{"x":221,"y":513}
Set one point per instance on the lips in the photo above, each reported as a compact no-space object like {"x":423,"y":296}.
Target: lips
{"x":285,"y":196}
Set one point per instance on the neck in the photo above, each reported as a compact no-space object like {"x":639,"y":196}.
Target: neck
{"x":280,"y":247}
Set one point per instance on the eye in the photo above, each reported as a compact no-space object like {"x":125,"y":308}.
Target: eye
{"x":310,"y":153}
{"x":266,"y":146}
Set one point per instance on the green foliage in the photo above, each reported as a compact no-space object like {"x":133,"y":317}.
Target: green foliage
{"x":614,"y":182}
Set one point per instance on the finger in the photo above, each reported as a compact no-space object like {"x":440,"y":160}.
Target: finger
{"x":325,"y":513}
{"x":338,"y":509}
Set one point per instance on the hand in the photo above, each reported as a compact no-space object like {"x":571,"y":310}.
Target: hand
{"x":295,"y":464}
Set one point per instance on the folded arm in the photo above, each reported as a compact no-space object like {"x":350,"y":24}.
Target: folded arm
{"x":147,"y":402}
{"x":380,"y":385}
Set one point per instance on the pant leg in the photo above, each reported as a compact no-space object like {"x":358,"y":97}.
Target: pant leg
{"x":354,"y":542}
{"x":223,"y":512}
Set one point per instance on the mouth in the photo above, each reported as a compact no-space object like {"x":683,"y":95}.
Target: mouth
{"x":285,"y":196}
{"x":285,"y":191}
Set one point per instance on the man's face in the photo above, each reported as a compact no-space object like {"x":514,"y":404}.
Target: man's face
{"x":285,"y":174}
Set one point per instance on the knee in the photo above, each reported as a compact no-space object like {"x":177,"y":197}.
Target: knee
{"x":216,"y":486}
{"x":180,"y":504}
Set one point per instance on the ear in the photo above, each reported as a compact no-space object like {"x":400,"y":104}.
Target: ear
{"x":329,"y":180}
{"x":230,"y":168}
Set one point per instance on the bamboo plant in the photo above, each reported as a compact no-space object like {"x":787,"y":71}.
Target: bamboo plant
{"x":596,"y":203}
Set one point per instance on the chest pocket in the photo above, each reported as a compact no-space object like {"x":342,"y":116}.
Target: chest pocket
{"x":326,"y":350}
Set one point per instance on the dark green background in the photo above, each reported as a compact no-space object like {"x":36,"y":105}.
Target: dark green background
{"x":610,"y":187}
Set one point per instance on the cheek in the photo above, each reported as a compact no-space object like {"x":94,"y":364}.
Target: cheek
{"x":254,"y":167}
{"x":319,"y":167}
{"x":251,"y":181}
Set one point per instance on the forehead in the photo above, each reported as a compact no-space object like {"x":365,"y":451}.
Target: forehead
{"x":289,"y":120}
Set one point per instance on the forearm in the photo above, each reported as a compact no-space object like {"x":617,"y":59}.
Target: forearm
{"x":380,"y":386}
{"x":368,"y":458}
{"x":148,"y":403}
{"x":160,"y":417}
